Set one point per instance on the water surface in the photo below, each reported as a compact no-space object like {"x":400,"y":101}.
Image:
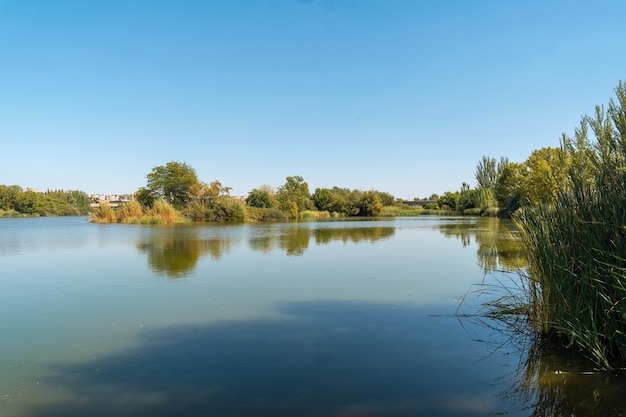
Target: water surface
{"x":334,"y":318}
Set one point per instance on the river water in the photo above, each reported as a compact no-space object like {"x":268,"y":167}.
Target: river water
{"x":334,"y":318}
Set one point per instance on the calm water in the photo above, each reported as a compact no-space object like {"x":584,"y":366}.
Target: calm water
{"x":339,"y":318}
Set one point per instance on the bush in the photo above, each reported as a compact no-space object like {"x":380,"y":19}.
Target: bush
{"x":220,"y":209}
{"x":312,"y":214}
{"x":264,"y":214}
{"x":475,"y":211}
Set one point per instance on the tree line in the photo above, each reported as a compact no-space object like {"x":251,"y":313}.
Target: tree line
{"x":15,"y":202}
{"x":174,"y":191}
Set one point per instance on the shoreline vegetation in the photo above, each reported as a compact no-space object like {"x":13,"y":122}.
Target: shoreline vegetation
{"x":570,"y":207}
{"x":569,"y":203}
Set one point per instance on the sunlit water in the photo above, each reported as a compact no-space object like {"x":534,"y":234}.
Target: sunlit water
{"x":335,"y":318}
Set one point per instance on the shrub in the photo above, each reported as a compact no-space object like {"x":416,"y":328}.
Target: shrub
{"x":312,"y":214}
{"x":475,"y":211}
{"x":220,"y":209}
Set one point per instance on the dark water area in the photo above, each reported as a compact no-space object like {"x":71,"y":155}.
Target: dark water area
{"x":335,"y":318}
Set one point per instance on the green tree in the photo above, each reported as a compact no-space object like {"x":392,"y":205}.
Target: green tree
{"x":260,"y":198}
{"x":322,"y":198}
{"x":386,"y":198}
{"x":487,"y":174}
{"x":145,"y":197}
{"x":370,"y":204}
{"x":546,"y":171}
{"x":8,"y":196}
{"x":294,"y":196}
{"x":175,"y":182}
{"x":511,"y":187}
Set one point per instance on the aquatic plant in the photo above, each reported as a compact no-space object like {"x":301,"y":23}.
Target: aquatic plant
{"x":576,"y":277}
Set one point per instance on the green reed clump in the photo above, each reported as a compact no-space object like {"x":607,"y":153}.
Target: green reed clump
{"x":577,"y":246}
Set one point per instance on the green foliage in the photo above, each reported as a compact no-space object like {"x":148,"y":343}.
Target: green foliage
{"x":487,"y":175}
{"x":175,"y":182}
{"x":314,"y":214}
{"x":401,"y":211}
{"x":545,"y":175}
{"x":51,"y":203}
{"x":260,"y":198}
{"x":511,"y":186}
{"x":294,"y":197}
{"x":385,"y":198}
{"x":145,"y":197}
{"x":259,"y":214}
{"x":322,"y":198}
{"x":370,"y":204}
{"x":577,"y":273}
{"x":218,"y":209}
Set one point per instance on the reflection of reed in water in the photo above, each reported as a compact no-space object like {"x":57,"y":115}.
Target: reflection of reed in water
{"x":549,"y":379}
{"x":176,"y":255}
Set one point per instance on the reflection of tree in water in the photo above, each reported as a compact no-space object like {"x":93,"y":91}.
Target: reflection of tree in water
{"x":498,"y":245}
{"x":353,"y":234}
{"x":549,"y":379}
{"x":295,"y":240}
{"x":175,"y":254}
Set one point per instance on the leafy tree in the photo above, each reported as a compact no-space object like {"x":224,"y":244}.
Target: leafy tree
{"x":322,"y":198}
{"x":467,"y":198}
{"x":546,"y":170}
{"x":511,"y":187}
{"x":386,"y":198}
{"x":260,"y":198}
{"x":209,"y":192}
{"x":175,"y":182}
{"x":8,"y":196}
{"x":486,"y":174}
{"x":145,"y":197}
{"x":294,"y":196}
{"x":370,"y":204}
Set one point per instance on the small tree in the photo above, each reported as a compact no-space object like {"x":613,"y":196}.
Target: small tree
{"x":174,"y":182}
{"x":260,"y":198}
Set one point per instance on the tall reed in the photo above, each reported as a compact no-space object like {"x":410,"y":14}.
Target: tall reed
{"x":577,"y":246}
{"x":129,"y":212}
{"x":162,"y":212}
{"x":104,"y":213}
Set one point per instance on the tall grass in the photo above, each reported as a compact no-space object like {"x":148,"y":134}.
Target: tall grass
{"x":162,"y":212}
{"x":577,"y":246}
{"x":104,"y":214}
{"x":133,"y":213}
{"x":129,"y":212}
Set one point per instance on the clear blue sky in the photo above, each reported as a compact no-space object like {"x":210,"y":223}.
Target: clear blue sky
{"x":398,"y":96}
